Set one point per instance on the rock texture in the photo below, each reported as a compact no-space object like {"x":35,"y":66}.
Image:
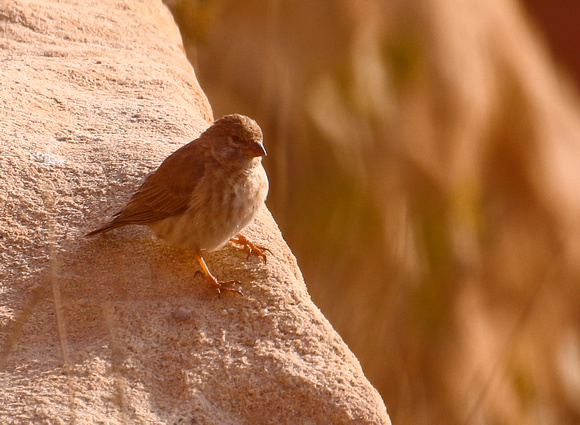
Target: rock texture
{"x":118,"y":329}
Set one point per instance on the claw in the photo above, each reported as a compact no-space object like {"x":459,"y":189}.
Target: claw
{"x":223,"y":286}
{"x":250,"y":247}
{"x":220,"y":286}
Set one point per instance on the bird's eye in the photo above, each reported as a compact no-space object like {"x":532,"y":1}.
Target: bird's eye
{"x":236,"y":140}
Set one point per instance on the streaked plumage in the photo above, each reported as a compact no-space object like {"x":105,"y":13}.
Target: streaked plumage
{"x":204,"y":193}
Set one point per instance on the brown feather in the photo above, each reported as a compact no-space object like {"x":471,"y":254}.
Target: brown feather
{"x":230,"y":143}
{"x":204,"y":193}
{"x":165,"y":192}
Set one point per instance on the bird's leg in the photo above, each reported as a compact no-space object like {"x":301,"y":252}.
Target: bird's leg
{"x":220,"y":286}
{"x":250,"y":247}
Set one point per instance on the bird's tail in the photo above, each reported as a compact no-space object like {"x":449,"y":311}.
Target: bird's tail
{"x":105,"y":229}
{"x":113,"y":224}
{"x":96,"y":232}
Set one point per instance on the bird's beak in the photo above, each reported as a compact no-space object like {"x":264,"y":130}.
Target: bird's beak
{"x":257,"y":149}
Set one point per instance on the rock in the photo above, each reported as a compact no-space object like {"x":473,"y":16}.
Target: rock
{"x":117,"y":328}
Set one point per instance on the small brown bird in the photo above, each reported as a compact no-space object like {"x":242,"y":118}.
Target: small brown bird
{"x":204,"y":193}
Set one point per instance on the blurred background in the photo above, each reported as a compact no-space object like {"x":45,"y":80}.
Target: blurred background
{"x":424,"y":159}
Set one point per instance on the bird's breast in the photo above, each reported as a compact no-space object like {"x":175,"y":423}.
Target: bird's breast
{"x":221,"y":205}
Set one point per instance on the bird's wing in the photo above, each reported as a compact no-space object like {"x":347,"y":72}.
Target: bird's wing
{"x":167,"y":191}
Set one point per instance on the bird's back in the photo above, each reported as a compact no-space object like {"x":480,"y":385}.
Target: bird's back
{"x":167,"y":191}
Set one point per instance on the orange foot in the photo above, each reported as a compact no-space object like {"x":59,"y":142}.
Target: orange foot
{"x":250,"y":247}
{"x":220,"y":286}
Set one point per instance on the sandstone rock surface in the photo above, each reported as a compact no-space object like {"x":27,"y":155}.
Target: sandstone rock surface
{"x":118,"y":329}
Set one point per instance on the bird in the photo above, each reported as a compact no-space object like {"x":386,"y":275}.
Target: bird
{"x":204,"y":193}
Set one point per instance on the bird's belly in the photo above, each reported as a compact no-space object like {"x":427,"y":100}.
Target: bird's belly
{"x":189,"y":231}
{"x":211,"y":221}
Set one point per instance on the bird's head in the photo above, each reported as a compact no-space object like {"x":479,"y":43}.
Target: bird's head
{"x":236,"y":140}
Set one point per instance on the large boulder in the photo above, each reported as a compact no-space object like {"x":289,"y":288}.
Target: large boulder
{"x":118,"y":328}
